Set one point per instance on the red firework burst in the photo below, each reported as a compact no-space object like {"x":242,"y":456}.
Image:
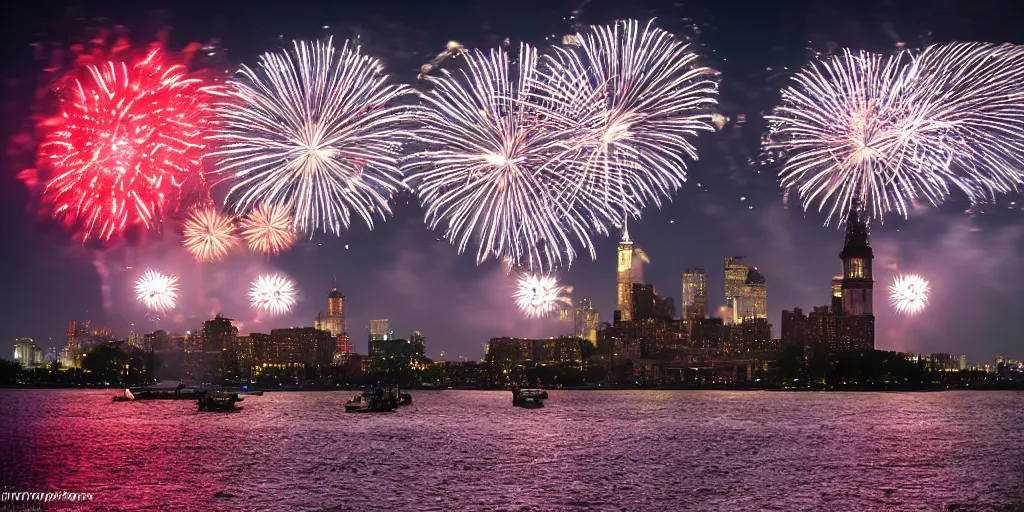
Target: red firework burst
{"x":126,"y":143}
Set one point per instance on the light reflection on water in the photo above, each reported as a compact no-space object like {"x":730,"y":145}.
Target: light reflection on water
{"x":632,"y":450}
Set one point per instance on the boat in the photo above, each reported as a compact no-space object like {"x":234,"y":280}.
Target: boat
{"x":212,"y":401}
{"x":528,"y":398}
{"x":180,"y":392}
{"x":127,"y":396}
{"x":378,"y":400}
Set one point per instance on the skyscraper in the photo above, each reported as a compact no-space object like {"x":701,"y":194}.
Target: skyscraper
{"x":28,"y":353}
{"x":857,"y":326}
{"x":379,"y":330}
{"x":752,"y":302}
{"x":334,"y":321}
{"x":694,"y":295}
{"x":624,"y":278}
{"x":586,"y":321}
{"x":735,"y":279}
{"x":837,"y":293}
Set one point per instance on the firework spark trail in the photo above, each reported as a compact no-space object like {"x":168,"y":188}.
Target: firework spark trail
{"x":158,"y":292}
{"x":124,"y":146}
{"x":269,"y":230}
{"x":631,"y":98}
{"x":908,"y":294}
{"x":209,"y":234}
{"x":311,"y":130}
{"x":889,"y":130}
{"x":272,"y":294}
{"x":490,"y":169}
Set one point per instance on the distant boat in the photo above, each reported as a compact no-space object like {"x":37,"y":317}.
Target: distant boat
{"x":212,"y":401}
{"x":180,"y":392}
{"x":528,"y":398}
{"x":379,"y":400}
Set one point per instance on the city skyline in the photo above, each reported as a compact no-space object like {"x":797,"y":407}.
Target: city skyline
{"x":402,"y":271}
{"x":819,"y":293}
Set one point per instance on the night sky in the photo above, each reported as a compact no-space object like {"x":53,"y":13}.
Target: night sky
{"x":404,"y":272}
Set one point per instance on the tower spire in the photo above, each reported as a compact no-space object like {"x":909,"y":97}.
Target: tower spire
{"x":335,"y":281}
{"x":625,"y":230}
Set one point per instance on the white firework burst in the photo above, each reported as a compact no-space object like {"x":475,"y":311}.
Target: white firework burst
{"x":313,"y":130}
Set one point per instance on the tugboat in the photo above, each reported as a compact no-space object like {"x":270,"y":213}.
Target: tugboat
{"x":528,"y":398}
{"x":379,"y":400}
{"x":218,"y":402}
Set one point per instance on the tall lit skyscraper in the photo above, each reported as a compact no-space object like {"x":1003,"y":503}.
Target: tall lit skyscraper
{"x":694,"y":295}
{"x":753,"y":300}
{"x":857,"y":328}
{"x":624,"y":278}
{"x":334,"y":321}
{"x":837,"y":293}
{"x":735,"y":279}
{"x":586,"y":321}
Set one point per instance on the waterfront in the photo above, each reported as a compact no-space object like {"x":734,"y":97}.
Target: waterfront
{"x":595,"y":450}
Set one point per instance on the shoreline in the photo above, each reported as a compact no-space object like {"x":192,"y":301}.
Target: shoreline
{"x":568,"y":388}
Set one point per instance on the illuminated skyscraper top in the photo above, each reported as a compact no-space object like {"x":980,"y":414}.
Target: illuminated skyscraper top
{"x":735,"y":278}
{"x":857,"y":282}
{"x":856,"y":324}
{"x":334,"y":321}
{"x":624,"y":278}
{"x":336,"y":301}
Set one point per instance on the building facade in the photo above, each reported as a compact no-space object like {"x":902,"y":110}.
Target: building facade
{"x":694,"y":297}
{"x":334,"y":321}
{"x":857,"y":327}
{"x":752,"y":302}
{"x":624,"y":279}
{"x":735,"y":279}
{"x":586,"y":321}
{"x":28,"y":353}
{"x":378,"y":330}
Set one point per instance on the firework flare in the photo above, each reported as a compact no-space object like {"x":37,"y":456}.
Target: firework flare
{"x":311,"y":130}
{"x":630,"y":97}
{"x":891,"y":130}
{"x":269,"y":229}
{"x":209,"y":234}
{"x":125,"y":143}
{"x":539,"y":295}
{"x":158,"y":292}
{"x":490,"y":169}
{"x":908,"y":294}
{"x":272,"y":294}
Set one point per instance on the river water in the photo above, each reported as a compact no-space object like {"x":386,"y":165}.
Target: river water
{"x":471,"y":450}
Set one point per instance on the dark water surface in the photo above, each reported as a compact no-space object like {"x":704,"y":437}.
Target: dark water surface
{"x":587,"y":450}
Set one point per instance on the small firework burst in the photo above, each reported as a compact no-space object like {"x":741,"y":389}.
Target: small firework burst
{"x":908,"y":294}
{"x":209,"y":234}
{"x":157,"y":291}
{"x":272,"y":294}
{"x":540,"y":295}
{"x":269,"y":229}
